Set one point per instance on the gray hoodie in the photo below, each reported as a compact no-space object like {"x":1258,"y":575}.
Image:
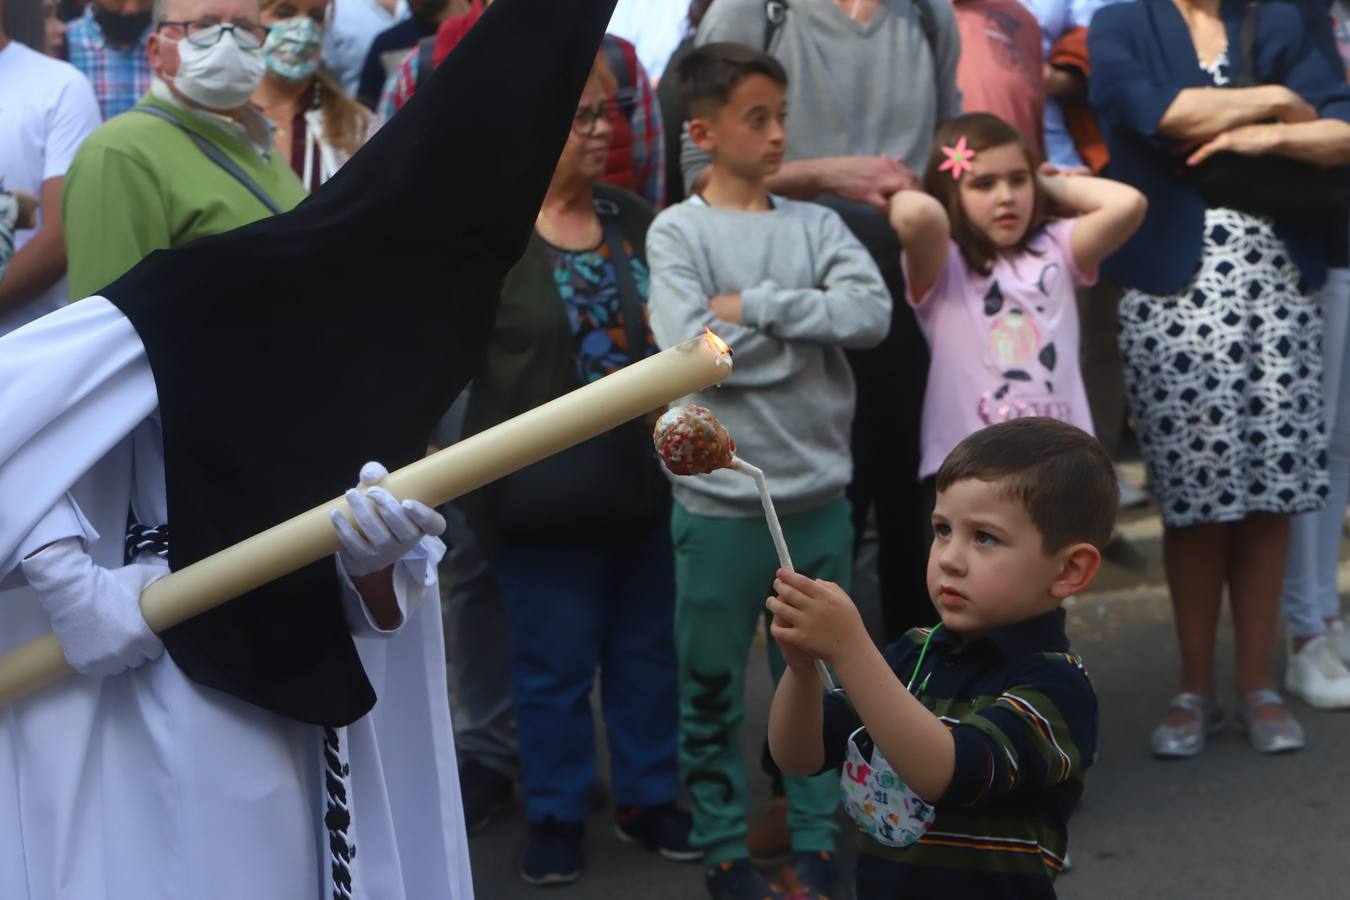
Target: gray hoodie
{"x":808,"y":290}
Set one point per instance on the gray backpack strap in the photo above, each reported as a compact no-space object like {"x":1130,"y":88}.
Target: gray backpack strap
{"x":929,"y":26}
{"x":775,"y":14}
{"x":426,"y":56}
{"x":216,"y":155}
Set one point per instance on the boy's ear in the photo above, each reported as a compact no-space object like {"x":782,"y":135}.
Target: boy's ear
{"x":700,"y":132}
{"x":1078,"y":565}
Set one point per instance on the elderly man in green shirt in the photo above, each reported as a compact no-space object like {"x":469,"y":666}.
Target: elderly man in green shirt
{"x":191,"y":159}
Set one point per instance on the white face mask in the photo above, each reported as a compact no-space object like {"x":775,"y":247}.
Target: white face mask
{"x":220,"y":77}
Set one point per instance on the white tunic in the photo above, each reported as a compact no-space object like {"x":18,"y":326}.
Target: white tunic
{"x":147,"y":785}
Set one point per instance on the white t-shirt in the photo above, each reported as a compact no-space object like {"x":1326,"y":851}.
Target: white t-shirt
{"x":47,"y":108}
{"x":349,"y":32}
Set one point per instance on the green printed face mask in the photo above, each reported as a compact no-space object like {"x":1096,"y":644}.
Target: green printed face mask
{"x":292,"y":48}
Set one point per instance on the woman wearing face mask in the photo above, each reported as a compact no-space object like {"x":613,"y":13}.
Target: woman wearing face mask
{"x":318,"y":127}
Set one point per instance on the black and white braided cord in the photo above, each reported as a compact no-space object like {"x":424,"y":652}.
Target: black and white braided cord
{"x":147,"y":539}
{"x":338,"y":819}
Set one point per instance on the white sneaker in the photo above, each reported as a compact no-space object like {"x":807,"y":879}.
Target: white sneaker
{"x":1339,"y":635}
{"x":1130,"y":495}
{"x":1317,"y":676}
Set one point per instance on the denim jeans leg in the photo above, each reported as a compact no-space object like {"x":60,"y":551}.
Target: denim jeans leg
{"x":479,"y":653}
{"x":638,"y":672}
{"x":1309,"y":591}
{"x":554,"y":602}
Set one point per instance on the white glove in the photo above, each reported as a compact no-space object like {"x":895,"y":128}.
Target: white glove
{"x":388,"y":529}
{"x":96,"y":612}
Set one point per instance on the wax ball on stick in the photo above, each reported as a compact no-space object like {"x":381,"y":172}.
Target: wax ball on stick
{"x":692,"y":442}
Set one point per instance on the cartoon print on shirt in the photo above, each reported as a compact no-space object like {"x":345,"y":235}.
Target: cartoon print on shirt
{"x":1043,"y":280}
{"x":1016,"y":349}
{"x":993,"y":299}
{"x":1001,"y":33}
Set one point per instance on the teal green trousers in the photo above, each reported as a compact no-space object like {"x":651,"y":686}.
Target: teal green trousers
{"x":724,"y":570}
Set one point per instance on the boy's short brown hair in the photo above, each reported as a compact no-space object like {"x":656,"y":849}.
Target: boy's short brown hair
{"x":708,"y":75}
{"x":1061,"y":474}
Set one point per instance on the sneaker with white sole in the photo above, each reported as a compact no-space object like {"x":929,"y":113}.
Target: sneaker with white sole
{"x":1130,"y":495}
{"x":1339,"y":635}
{"x":664,"y":828}
{"x":1317,"y":676}
{"x":552,"y":852}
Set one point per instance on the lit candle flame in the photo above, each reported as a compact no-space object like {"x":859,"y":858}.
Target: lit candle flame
{"x":719,"y":346}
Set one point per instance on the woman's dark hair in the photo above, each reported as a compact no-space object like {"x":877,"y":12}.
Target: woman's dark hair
{"x":24,"y":23}
{"x":981,"y":131}
{"x":709,"y":74}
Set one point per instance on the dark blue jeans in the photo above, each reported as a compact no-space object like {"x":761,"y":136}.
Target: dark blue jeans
{"x":571,"y":611}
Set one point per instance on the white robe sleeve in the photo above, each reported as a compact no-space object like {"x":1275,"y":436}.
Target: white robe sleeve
{"x":73,"y":385}
{"x":415,"y":582}
{"x":64,"y":520}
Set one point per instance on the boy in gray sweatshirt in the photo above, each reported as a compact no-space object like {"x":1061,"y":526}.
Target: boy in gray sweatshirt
{"x":788,"y":287}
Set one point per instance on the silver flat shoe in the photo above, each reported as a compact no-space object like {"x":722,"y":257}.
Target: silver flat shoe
{"x":1188,"y":739}
{"x":1277,"y":736}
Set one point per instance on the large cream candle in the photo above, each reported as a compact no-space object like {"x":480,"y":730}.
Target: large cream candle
{"x":561,"y":423}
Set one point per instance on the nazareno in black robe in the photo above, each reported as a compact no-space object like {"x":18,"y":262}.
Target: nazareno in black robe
{"x":289,"y":352}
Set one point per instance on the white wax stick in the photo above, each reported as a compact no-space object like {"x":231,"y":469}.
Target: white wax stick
{"x":779,"y":544}
{"x":775,"y":529}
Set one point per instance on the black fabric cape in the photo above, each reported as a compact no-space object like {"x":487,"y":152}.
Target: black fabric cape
{"x":289,"y":352}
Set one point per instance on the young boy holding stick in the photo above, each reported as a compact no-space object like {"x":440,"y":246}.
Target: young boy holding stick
{"x":788,"y":286}
{"x":963,"y":746}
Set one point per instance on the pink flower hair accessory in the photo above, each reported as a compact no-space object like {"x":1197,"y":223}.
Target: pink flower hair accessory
{"x":958,"y":160}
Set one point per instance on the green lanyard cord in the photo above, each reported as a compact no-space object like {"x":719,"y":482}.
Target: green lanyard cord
{"x":918,"y":665}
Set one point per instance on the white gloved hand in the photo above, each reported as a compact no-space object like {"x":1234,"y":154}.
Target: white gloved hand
{"x":96,"y":612}
{"x":388,"y":529}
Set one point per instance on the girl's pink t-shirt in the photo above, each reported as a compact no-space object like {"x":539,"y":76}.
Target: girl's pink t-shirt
{"x":1002,"y":346}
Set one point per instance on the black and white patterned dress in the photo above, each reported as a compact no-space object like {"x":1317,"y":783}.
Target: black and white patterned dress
{"x":1224,"y":378}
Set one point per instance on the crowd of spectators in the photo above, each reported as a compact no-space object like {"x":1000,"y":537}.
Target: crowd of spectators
{"x":1173,"y":266}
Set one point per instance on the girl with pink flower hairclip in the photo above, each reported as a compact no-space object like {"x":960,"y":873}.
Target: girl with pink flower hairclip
{"x":992,"y":278}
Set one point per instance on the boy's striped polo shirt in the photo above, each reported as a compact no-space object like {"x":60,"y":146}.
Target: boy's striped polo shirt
{"x":1023,"y":715}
